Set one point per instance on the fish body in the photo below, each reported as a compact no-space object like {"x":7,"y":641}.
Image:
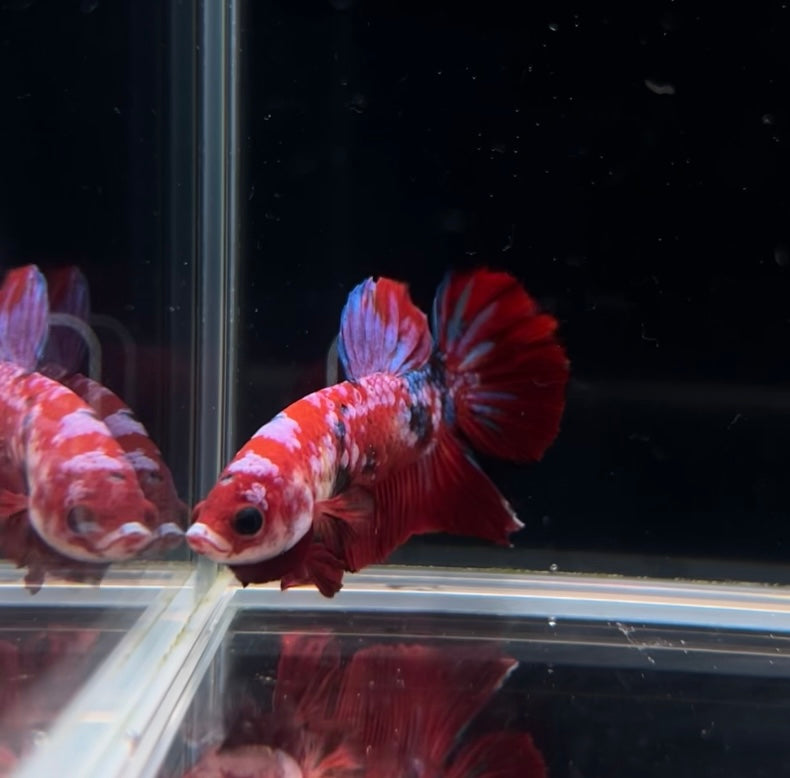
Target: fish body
{"x":60,"y":464}
{"x":153,"y":474}
{"x":345,"y":475}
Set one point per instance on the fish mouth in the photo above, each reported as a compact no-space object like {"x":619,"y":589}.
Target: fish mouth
{"x":207,"y":542}
{"x":124,"y":542}
{"x":168,"y":535}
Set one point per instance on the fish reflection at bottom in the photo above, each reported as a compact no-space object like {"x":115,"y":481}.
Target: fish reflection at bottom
{"x":391,"y":711}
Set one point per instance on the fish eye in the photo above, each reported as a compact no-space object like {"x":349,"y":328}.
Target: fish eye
{"x":80,"y":520}
{"x":247,"y":521}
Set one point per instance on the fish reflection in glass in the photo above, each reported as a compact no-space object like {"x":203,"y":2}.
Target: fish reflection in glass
{"x":70,"y":498}
{"x":63,"y":358}
{"x":391,"y":711}
{"x":345,"y":475}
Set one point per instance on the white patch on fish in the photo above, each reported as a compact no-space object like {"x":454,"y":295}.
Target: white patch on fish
{"x":256,"y":494}
{"x":76,"y":492}
{"x":254,"y":464}
{"x":315,"y":400}
{"x":281,"y":429}
{"x":92,"y":460}
{"x":123,"y":423}
{"x":141,"y":462}
{"x":78,"y":423}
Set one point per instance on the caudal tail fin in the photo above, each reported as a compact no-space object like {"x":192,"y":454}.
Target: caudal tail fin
{"x":505,"y":370}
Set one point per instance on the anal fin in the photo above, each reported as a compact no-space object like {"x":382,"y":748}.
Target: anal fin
{"x":445,"y":491}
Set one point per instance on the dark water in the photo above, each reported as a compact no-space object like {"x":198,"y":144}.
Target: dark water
{"x":597,"y":700}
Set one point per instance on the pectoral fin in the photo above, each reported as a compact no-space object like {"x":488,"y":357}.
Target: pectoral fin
{"x":12,"y":503}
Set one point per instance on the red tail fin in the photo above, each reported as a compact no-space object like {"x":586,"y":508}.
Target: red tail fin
{"x":505,"y":370}
{"x":410,"y":703}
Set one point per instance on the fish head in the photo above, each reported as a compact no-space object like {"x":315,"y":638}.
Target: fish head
{"x":95,"y":512}
{"x":256,"y":511}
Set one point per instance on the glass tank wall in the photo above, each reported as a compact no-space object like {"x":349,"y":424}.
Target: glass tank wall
{"x":200,"y":185}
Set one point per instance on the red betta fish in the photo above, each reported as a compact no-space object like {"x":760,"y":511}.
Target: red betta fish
{"x":60,"y":468}
{"x":64,"y":354}
{"x":392,"y":711}
{"x":345,"y":475}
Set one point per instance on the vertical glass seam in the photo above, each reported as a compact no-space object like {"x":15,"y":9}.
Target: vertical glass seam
{"x":217,"y":257}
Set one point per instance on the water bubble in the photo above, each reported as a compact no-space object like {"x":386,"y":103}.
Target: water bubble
{"x":782,"y":255}
{"x":553,"y":26}
{"x":767,"y":119}
{"x":552,"y":621}
{"x":553,"y":567}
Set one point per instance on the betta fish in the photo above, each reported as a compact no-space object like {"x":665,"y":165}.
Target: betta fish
{"x":61,"y":471}
{"x":345,"y":475}
{"x":391,"y":710}
{"x":64,"y":354}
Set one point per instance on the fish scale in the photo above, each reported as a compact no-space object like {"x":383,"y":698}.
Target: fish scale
{"x":378,"y":431}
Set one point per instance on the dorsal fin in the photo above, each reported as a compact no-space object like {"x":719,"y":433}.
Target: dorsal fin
{"x":68,"y":293}
{"x":382,"y":330}
{"x":23,"y":316}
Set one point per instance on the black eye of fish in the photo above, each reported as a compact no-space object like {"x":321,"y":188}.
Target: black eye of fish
{"x":80,"y":520}
{"x":247,"y":521}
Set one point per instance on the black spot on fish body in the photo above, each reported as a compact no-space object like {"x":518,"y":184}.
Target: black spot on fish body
{"x":342,"y":480}
{"x":420,"y":422}
{"x":340,"y":430}
{"x":343,"y":409}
